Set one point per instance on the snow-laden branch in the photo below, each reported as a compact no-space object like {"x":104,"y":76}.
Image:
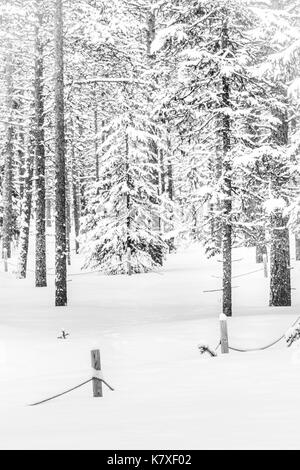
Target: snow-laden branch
{"x":104,"y":80}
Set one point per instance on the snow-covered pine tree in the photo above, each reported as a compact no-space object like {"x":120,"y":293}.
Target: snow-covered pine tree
{"x":214,"y":53}
{"x":281,"y":60}
{"x":117,"y":233}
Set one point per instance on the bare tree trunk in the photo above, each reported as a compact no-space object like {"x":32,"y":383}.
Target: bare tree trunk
{"x":9,"y":153}
{"x":280,"y":271}
{"x":227,"y":189}
{"x":162,"y":171}
{"x":297,"y":245}
{"x":280,"y":287}
{"x":68,"y":223}
{"x":76,"y":209}
{"x":170,"y":180}
{"x":157,"y":222}
{"x":96,"y":130}
{"x":22,"y":164}
{"x":261,"y":250}
{"x":170,"y":190}
{"x":40,"y":204}
{"x":60,"y":188}
{"x":48,"y":212}
{"x":75,"y":194}
{"x":128,"y":207}
{"x":25,"y":216}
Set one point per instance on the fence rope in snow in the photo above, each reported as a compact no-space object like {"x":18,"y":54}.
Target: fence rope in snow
{"x":262,"y":348}
{"x":71,"y":390}
{"x":258,"y":349}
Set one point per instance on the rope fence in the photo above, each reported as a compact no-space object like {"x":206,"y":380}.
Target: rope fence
{"x":225,"y":346}
{"x":97,"y":380}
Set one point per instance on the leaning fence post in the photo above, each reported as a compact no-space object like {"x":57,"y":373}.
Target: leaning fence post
{"x":96,"y":365}
{"x":265,"y":260}
{"x":224,"y":334}
{"x":5,"y":259}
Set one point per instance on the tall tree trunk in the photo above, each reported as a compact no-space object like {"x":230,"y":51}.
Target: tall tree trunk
{"x":22,"y":164}
{"x":128,"y":208}
{"x":68,"y":223}
{"x":60,"y":187}
{"x":76,"y":212}
{"x":170,"y":190}
{"x":96,"y":130}
{"x":40,"y":202}
{"x":8,"y":163}
{"x":227,"y":188}
{"x":215,"y":167}
{"x":25,"y":216}
{"x":157,"y":222}
{"x":170,"y":180}
{"x":280,"y":270}
{"x":75,"y":194}
{"x":162,"y":171}
{"x":280,"y":286}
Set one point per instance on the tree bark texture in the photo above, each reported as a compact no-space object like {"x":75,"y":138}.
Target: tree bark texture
{"x":60,"y":187}
{"x":40,"y":192}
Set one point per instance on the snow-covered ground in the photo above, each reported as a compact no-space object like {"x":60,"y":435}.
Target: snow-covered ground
{"x":167,"y":396}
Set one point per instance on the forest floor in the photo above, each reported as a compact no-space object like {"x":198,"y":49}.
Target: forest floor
{"x":167,"y":396}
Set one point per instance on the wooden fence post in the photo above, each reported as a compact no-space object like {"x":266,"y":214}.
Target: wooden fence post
{"x":96,"y":365}
{"x":224,"y":334}
{"x":5,"y":259}
{"x":265,"y":260}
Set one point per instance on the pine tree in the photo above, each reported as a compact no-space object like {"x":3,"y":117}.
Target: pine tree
{"x":214,"y":55}
{"x":117,"y":231}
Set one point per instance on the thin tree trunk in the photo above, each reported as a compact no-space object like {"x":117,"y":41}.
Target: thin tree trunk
{"x":25,"y":217}
{"x":261,"y":250}
{"x":8,"y":164}
{"x":157,"y":254}
{"x":170,"y":190}
{"x":128,"y":207}
{"x":162,"y":171}
{"x":227,"y":189}
{"x":40,"y":204}
{"x":48,"y":212}
{"x":297,"y":240}
{"x":68,"y":224}
{"x":75,"y":196}
{"x":297,"y":246}
{"x":96,"y":130}
{"x":60,"y":188}
{"x":76,"y":209}
{"x":170,"y":179}
{"x":22,"y":164}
